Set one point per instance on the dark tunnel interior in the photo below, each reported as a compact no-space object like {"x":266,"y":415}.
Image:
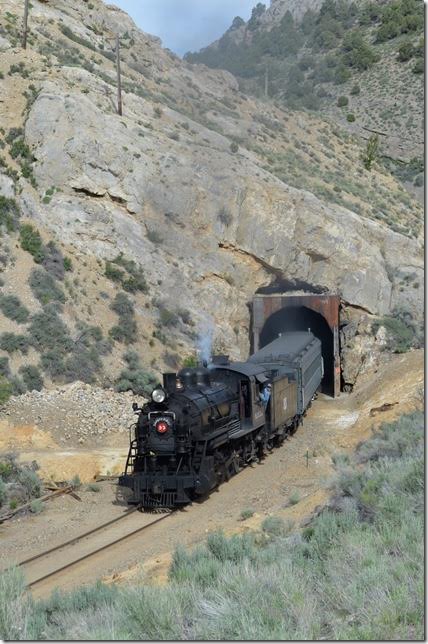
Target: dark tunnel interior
{"x":300,"y":318}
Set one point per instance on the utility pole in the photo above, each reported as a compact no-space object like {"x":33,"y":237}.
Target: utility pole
{"x":24,"y":34}
{"x":119,"y":78}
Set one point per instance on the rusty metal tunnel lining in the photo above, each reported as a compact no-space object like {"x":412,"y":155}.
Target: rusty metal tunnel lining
{"x":320,"y":312}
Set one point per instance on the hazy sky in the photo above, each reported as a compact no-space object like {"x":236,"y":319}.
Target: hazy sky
{"x":186,"y":25}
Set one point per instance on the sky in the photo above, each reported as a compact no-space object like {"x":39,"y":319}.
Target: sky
{"x":186,"y":25}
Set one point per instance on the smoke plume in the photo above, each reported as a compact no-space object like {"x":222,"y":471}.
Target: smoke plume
{"x":205,"y":339}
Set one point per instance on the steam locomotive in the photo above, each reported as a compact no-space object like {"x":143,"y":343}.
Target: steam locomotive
{"x":206,"y":423}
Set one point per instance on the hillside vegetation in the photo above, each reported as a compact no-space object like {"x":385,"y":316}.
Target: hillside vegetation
{"x":360,"y":62}
{"x":124,"y":238}
{"x":356,"y":572}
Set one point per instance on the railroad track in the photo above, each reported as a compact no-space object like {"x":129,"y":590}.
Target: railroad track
{"x":44,"y":568}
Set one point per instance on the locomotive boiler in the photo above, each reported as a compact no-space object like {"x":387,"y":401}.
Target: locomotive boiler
{"x":203,"y":425}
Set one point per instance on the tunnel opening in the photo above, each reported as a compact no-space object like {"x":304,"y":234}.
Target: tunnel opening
{"x":302,"y":318}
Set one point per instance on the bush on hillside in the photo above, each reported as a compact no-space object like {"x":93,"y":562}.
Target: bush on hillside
{"x":6,"y":391}
{"x":44,"y":287}
{"x":402,"y":331}
{"x":47,"y":332}
{"x":12,"y":308}
{"x":405,"y":52}
{"x":131,"y":279}
{"x":32,"y":377}
{"x":419,"y":66}
{"x":135,"y":378}
{"x":372,"y":152}
{"x":54,"y":261}
{"x":358,"y":53}
{"x":31,"y":241}
{"x":4,"y":366}
{"x":12,"y":342}
{"x":9,"y":214}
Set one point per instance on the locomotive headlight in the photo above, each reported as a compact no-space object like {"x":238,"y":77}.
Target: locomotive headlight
{"x":158,"y":396}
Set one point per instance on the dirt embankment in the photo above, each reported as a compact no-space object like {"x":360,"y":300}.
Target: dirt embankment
{"x":302,"y":467}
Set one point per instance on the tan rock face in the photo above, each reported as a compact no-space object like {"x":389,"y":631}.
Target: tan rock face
{"x":115,"y":188}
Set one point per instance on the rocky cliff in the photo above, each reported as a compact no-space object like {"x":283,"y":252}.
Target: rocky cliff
{"x":170,"y":217}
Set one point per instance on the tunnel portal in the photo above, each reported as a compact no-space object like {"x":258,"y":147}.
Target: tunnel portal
{"x":275,"y":314}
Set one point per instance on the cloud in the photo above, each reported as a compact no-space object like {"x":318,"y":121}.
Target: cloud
{"x":186,"y":25}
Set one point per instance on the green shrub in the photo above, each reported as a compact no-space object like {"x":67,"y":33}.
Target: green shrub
{"x":405,"y":52}
{"x":247,"y":513}
{"x":372,"y":152}
{"x":53,"y":364}
{"x":122,"y":305}
{"x":11,"y":342}
{"x":30,"y":481}
{"x":235,"y":549}
{"x":53,"y":261}
{"x":93,"y":487}
{"x":5,"y":390}
{"x":355,"y":90}
{"x":68,"y":266}
{"x":358,"y":53}
{"x":135,"y":378}
{"x":419,"y":67}
{"x":350,"y":118}
{"x":126,"y":330}
{"x":32,"y":377}
{"x":274,"y":526}
{"x":15,"y":606}
{"x":75,"y":38}
{"x":47,"y":332}
{"x":82,"y":364}
{"x":4,"y":367}
{"x":167,"y":318}
{"x":113,"y":273}
{"x":9,"y":214}
{"x":342,"y":101}
{"x":3,"y":492}
{"x":12,"y":308}
{"x":75,"y":482}
{"x":234,"y":147}
{"x":401,"y":334}
{"x":19,"y":69}
{"x":132,"y":279}
{"x":32,"y":242}
{"x":294,"y":498}
{"x":36,"y":506}
{"x":44,"y":287}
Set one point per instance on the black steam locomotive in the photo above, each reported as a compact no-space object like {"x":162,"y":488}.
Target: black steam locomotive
{"x":205,"y":424}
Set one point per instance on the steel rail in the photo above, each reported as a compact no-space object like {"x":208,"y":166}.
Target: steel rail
{"x":94,"y":552}
{"x":76,"y":539}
